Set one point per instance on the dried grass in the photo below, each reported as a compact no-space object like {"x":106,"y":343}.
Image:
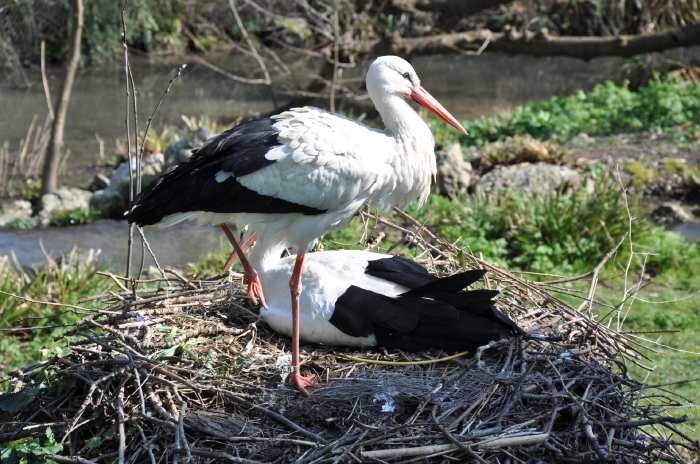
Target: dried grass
{"x":185,"y":372}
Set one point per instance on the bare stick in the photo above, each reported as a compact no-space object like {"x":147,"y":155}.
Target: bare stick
{"x":130,"y":240}
{"x":45,"y":80}
{"x":253,"y":49}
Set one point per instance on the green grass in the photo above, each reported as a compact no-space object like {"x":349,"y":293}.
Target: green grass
{"x":665,"y":103}
{"x":65,"y":281}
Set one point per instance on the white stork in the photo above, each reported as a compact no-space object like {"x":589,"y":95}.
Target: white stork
{"x":359,"y":298}
{"x":293,"y":176}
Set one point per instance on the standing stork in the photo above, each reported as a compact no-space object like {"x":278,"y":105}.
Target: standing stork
{"x":293,"y":176}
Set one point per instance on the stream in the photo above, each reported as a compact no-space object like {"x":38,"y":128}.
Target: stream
{"x":469,"y":86}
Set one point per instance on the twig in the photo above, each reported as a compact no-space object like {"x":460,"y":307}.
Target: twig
{"x":45,"y":81}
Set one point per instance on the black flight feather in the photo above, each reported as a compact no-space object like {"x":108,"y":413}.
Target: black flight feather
{"x":192,"y":184}
{"x":436,"y":313}
{"x":401,"y":271}
{"x":453,"y":283}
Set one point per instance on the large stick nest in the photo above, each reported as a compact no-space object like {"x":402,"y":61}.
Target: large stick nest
{"x":183,"y":371}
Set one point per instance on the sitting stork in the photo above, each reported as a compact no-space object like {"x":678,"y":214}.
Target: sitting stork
{"x":295,"y":175}
{"x":360,"y":298}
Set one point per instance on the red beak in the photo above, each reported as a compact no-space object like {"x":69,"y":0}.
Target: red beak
{"x":423,"y":98}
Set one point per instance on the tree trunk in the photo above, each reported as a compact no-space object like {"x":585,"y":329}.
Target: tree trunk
{"x":49,"y":181}
{"x":576,"y":47}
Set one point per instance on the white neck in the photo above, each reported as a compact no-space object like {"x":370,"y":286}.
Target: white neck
{"x":400,"y":119}
{"x":415,"y":162}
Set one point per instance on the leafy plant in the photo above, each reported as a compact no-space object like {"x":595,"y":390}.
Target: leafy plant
{"x":65,"y":281}
{"x":606,"y":109}
{"x":31,"y":450}
{"x":21,"y":224}
{"x":73,"y":217}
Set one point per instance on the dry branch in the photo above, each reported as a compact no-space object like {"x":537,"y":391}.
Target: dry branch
{"x":576,"y":47}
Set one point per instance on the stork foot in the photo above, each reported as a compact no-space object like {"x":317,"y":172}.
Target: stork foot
{"x":254,"y":288}
{"x":302,"y":382}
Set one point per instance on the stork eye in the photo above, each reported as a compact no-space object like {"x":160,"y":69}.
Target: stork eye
{"x":406,"y":76}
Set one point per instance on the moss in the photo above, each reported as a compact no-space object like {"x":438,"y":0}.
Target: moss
{"x":518,"y":149}
{"x":642,"y":175}
{"x":680,"y":168}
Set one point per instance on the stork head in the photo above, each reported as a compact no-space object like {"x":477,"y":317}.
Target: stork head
{"x":393,"y":76}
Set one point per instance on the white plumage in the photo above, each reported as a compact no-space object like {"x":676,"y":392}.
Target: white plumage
{"x":327,"y":275}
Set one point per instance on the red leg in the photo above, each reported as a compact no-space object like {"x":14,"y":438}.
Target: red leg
{"x":250,"y":278}
{"x":301,"y":382}
{"x":234,"y":255}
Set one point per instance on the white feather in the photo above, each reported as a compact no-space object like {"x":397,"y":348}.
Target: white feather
{"x":326,"y":276}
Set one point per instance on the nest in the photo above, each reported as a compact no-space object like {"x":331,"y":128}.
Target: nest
{"x":183,"y":371}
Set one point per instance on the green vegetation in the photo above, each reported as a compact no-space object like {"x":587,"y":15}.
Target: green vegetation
{"x":21,"y":224}
{"x":74,"y":217}
{"x":564,"y":233}
{"x":65,"y":281}
{"x":641,"y":174}
{"x":608,"y":108}
{"x":31,"y":450}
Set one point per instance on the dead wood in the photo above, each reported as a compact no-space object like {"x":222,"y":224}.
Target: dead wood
{"x":576,"y":47}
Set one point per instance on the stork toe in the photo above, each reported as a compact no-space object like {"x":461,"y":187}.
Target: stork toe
{"x":254,"y":289}
{"x":302,"y":382}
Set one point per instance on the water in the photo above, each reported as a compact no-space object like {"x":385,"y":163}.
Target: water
{"x":689,"y":230}
{"x":469,"y":86}
{"x":174,"y":246}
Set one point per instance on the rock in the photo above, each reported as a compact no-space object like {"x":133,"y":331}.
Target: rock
{"x":454,"y":173}
{"x":529,"y":179}
{"x":14,"y":211}
{"x":177,"y":152}
{"x":519,"y":149}
{"x":181,"y":150}
{"x":201,"y":135}
{"x":150,"y":170}
{"x":63,"y":199}
{"x":581,"y":140}
{"x":114,"y":199}
{"x":670,"y":213}
{"x":99,"y":182}
{"x":110,"y":202}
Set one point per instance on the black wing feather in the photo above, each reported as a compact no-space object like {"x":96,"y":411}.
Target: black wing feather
{"x":192,"y":184}
{"x":401,"y":271}
{"x":437,"y":314}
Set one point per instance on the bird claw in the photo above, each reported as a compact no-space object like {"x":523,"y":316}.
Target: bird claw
{"x":254,"y":288}
{"x":302,"y":382}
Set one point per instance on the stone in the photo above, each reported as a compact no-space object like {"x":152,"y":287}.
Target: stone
{"x":110,"y":202}
{"x":181,"y":150}
{"x":14,"y":211}
{"x":201,"y":135}
{"x":177,"y":152}
{"x":114,"y":199}
{"x":582,"y":140}
{"x":530,"y":179}
{"x":670,"y":213}
{"x":63,"y":199}
{"x":99,"y":182}
{"x":151,"y":169}
{"x":454,"y":174}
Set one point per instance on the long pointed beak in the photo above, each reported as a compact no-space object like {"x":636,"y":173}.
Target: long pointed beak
{"x":423,"y":98}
